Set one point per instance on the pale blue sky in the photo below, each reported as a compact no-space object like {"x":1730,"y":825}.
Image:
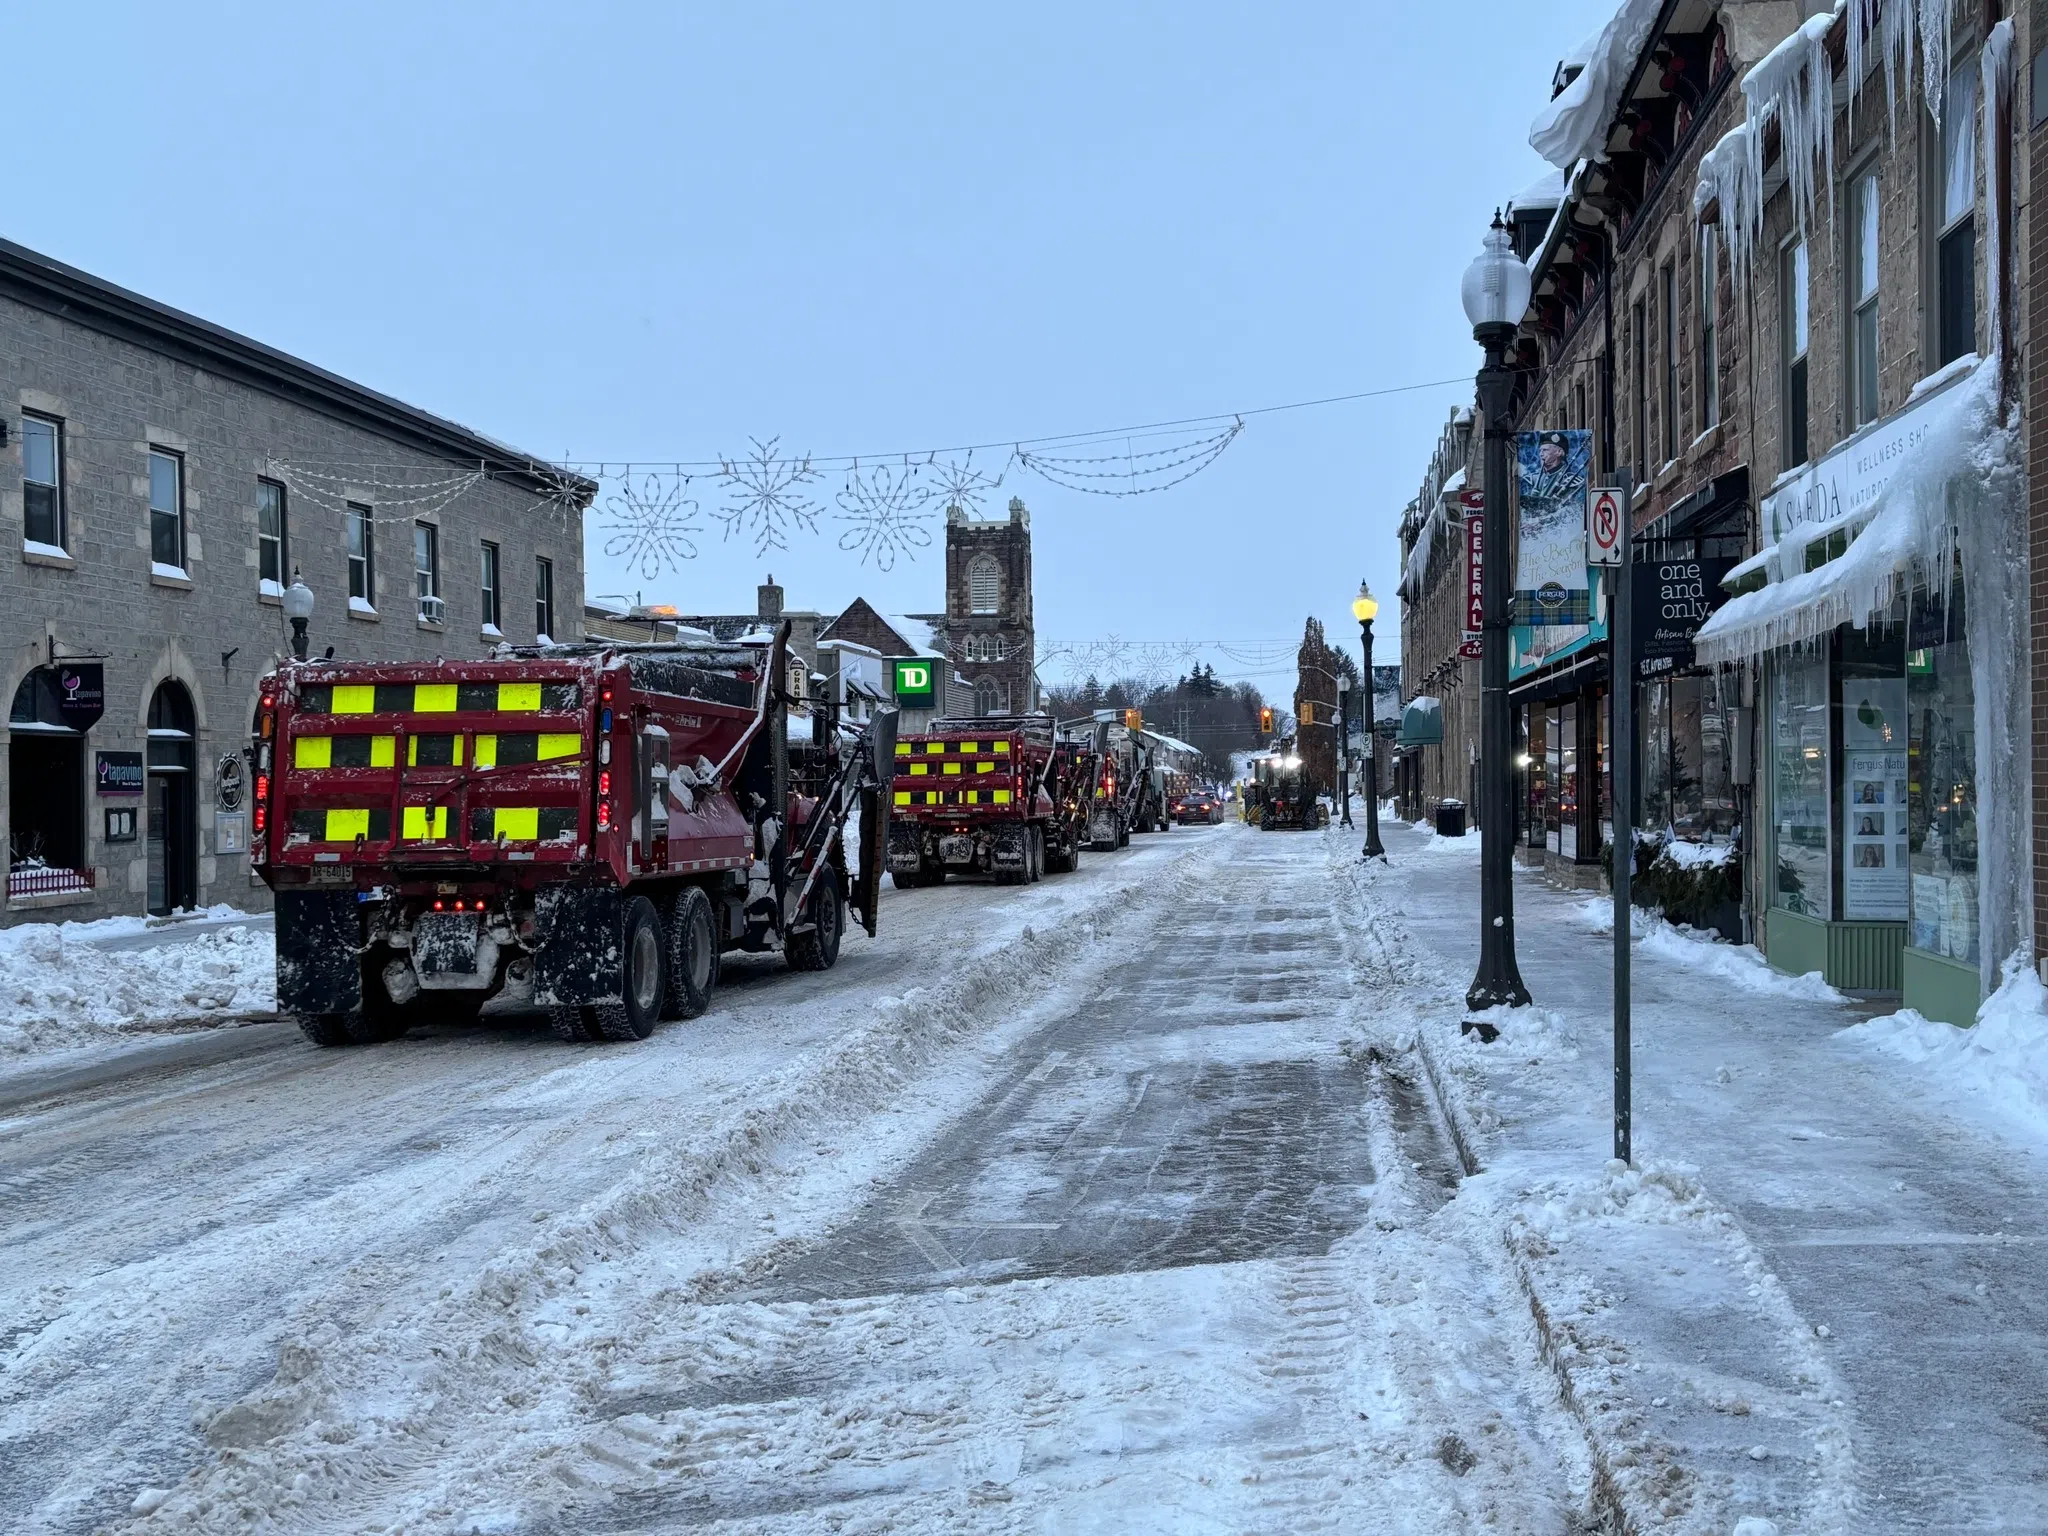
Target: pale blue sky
{"x":651,"y":231}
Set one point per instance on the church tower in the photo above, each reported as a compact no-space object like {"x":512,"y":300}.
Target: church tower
{"x":987,"y":628}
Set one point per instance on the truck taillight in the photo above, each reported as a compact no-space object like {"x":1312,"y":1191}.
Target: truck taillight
{"x":604,"y":815}
{"x":262,"y":787}
{"x":604,"y":782}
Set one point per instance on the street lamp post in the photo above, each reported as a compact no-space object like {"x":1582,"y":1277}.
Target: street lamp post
{"x":1344,"y":748}
{"x":1363,"y":608}
{"x":298,"y":607}
{"x":1495,"y":291}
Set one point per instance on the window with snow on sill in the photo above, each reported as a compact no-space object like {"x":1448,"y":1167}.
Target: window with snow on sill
{"x":50,"y":551}
{"x":268,"y":588}
{"x":361,"y":605}
{"x":174,"y":572}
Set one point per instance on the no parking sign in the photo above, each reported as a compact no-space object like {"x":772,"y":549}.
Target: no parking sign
{"x":1603,"y":527}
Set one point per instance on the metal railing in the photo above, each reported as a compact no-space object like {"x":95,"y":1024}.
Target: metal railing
{"x":39,"y":880}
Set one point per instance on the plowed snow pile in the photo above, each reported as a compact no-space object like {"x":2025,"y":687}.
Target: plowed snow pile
{"x":59,"y":989}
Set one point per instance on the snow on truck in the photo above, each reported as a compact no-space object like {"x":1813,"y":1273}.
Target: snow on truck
{"x":1004,"y":797}
{"x":599,"y":823}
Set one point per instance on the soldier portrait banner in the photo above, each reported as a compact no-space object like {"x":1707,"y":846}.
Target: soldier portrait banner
{"x":1551,"y":582}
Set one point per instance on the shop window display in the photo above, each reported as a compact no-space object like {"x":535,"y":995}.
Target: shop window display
{"x":1942,"y":785}
{"x":1872,"y":783}
{"x":1801,"y":881}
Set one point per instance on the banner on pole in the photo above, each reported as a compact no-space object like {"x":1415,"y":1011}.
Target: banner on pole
{"x":1552,"y":586}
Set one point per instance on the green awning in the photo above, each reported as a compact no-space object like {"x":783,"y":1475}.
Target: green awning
{"x":1422,"y":722}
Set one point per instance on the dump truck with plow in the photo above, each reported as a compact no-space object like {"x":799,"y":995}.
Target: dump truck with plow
{"x":597,"y":824}
{"x":1005,"y":797}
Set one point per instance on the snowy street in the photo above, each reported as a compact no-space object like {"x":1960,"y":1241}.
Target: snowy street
{"x":1184,"y":1207}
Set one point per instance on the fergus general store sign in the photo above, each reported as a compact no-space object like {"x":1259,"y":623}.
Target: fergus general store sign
{"x":1856,"y":471}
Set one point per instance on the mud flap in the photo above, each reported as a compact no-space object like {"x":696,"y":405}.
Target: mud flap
{"x":319,"y":952}
{"x":577,"y":956}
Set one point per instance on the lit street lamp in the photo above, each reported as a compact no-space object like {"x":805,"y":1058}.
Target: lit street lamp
{"x":1363,"y":608}
{"x":1495,"y":291}
{"x":298,"y":607}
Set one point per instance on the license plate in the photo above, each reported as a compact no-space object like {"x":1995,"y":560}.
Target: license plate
{"x":956,"y":850}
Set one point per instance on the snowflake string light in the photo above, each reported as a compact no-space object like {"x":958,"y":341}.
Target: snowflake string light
{"x":766,"y":497}
{"x":652,"y":524}
{"x":885,"y":510}
{"x":959,"y":484}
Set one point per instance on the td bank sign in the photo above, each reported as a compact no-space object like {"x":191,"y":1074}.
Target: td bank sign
{"x":910,"y":680}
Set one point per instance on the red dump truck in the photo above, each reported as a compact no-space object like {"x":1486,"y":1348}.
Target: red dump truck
{"x":1004,"y":797}
{"x":598,"y":823}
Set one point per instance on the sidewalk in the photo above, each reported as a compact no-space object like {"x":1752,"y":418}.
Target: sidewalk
{"x":1817,"y":1300}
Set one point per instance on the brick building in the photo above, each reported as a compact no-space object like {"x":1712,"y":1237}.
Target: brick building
{"x":1433,"y":614}
{"x":162,"y":480}
{"x":1781,"y":303}
{"x":987,"y":629}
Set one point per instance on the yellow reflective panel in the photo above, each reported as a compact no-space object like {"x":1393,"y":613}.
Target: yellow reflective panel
{"x":1002,"y":746}
{"x":970,"y":746}
{"x":984,"y":767}
{"x":355,"y":699}
{"x":487,"y":751}
{"x":903,"y":797}
{"x":918,"y":770}
{"x":347,"y":826}
{"x":1002,"y":797}
{"x":952,"y":767}
{"x":416,"y":826}
{"x":903,"y":749}
{"x":383,"y":751}
{"x":972,"y":797}
{"x":567,"y":744}
{"x":513,"y":696}
{"x":935,"y":748}
{"x":516,"y":824}
{"x":432,"y":698}
{"x":313,"y":752}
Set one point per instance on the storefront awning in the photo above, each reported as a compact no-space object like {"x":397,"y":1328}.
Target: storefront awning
{"x":1422,"y":722}
{"x":1845,"y":535}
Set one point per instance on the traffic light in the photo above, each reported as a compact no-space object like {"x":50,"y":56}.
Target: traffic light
{"x":1308,"y":712}
{"x":1134,"y":719}
{"x":1265,"y":720}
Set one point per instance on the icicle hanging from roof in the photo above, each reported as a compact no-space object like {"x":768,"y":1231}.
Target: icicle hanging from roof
{"x":1792,"y":87}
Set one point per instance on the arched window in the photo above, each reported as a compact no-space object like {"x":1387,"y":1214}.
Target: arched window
{"x":988,"y":697}
{"x":984,"y":585}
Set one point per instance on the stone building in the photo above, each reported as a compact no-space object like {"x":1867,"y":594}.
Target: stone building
{"x":987,"y":629}
{"x":1436,"y":758}
{"x":1779,"y":302}
{"x":161,"y":481}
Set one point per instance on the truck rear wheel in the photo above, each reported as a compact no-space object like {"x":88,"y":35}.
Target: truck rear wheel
{"x":643,"y":976}
{"x":818,"y":948}
{"x":692,"y":955}
{"x":1034,"y":855}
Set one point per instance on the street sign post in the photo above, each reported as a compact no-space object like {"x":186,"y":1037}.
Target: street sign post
{"x":1607,"y":526}
{"x":1607,"y":530}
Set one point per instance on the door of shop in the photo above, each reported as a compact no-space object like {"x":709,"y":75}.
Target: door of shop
{"x":173,"y":802}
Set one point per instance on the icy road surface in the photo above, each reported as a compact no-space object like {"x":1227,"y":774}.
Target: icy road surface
{"x":1076,"y":1206}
